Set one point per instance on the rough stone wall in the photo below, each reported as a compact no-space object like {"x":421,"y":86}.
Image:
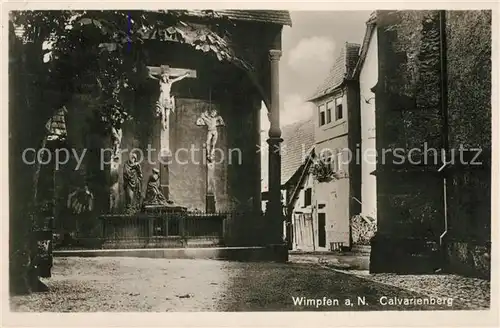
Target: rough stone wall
{"x":408,"y":115}
{"x":469,"y":258}
{"x":409,"y":77}
{"x":469,"y":70}
{"x":410,"y":204}
{"x":469,"y":188}
{"x":469,"y":82}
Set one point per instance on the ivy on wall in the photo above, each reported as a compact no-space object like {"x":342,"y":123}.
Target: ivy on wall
{"x":322,"y":171}
{"x":469,"y":81}
{"x":413,"y":79}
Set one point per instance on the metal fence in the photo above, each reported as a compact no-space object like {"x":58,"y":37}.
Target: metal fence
{"x":149,"y":230}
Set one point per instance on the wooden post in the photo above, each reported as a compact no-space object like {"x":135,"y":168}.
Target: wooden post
{"x":164,"y":134}
{"x":210,"y":197}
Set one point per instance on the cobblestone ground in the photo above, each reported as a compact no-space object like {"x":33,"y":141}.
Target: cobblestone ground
{"x":472,"y":292}
{"x":138,"y":284}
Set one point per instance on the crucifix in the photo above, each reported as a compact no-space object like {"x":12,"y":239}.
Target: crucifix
{"x":166,"y":77}
{"x":211,"y":119}
{"x":165,"y":105}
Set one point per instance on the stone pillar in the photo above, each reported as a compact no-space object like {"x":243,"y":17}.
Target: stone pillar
{"x":257,"y":198}
{"x":275,"y":212}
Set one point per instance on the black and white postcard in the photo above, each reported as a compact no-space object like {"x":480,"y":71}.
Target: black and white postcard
{"x":284,"y":159}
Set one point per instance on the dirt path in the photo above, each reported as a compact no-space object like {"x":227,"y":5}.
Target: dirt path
{"x":159,"y":285}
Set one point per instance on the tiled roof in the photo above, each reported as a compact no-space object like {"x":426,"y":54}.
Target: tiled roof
{"x":280,"y":17}
{"x":342,"y":68}
{"x":370,"y":28}
{"x":298,"y":141}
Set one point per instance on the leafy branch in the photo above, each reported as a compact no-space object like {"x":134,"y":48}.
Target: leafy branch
{"x":99,"y":42}
{"x":322,"y":171}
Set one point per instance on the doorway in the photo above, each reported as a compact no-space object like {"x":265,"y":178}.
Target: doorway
{"x":321,"y":229}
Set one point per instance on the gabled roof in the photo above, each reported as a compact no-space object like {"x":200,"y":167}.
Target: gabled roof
{"x":280,"y":17}
{"x":342,"y":69}
{"x":298,"y":141}
{"x":371,"y":25}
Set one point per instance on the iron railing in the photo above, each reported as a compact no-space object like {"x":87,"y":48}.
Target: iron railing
{"x":151,"y":230}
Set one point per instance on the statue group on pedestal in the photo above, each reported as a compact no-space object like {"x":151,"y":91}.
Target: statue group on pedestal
{"x":165,"y":105}
{"x":132,"y":182}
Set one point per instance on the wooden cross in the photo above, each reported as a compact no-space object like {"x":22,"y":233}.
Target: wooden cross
{"x":173,"y":72}
{"x":166,"y":104}
{"x":177,"y":74}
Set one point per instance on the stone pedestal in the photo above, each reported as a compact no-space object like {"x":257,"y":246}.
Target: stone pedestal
{"x":170,"y":208}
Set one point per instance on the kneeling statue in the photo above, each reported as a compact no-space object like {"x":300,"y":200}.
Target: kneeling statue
{"x":154,"y":196}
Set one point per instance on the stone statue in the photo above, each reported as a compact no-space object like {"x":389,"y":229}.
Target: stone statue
{"x":154,"y":196}
{"x":80,"y":204}
{"x":132,"y":182}
{"x":165,"y":103}
{"x":80,"y":200}
{"x":116,"y":139}
{"x":212,"y":120}
{"x":114,"y":186}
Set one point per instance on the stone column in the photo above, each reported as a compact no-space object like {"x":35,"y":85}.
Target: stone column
{"x":257,"y":198}
{"x":275,"y":212}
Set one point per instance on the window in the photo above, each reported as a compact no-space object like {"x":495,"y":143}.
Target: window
{"x":329,"y":107}
{"x":307,"y":197}
{"x":322,"y":118}
{"x":338,"y":109}
{"x":338,"y":113}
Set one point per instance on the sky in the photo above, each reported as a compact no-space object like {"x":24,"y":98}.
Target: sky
{"x":310,"y":47}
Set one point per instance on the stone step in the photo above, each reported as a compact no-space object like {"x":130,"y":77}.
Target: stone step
{"x":278,"y":253}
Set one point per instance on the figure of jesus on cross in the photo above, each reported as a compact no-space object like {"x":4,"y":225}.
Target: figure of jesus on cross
{"x":211,"y":119}
{"x":165,"y":104}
